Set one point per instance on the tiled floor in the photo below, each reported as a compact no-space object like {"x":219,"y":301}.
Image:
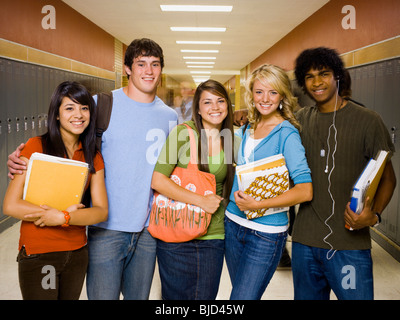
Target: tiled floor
{"x":386,"y":275}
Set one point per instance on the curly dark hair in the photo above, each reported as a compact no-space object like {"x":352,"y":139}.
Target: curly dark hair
{"x":318,"y":58}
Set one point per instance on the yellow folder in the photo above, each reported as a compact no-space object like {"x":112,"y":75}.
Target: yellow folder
{"x":54,"y":181}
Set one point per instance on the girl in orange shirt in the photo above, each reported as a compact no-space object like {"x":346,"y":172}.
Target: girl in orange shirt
{"x":53,"y":256}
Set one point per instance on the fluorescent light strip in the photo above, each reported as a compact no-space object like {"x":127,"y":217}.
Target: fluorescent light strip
{"x":197,"y":42}
{"x":200,"y":72}
{"x":193,"y":8}
{"x":199,"y":80}
{"x":200,"y":62}
{"x":205,"y":67}
{"x":198,"y":29}
{"x":202,"y":51}
{"x":201,"y":58}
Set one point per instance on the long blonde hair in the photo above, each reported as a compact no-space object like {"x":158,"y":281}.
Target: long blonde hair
{"x":277,"y":78}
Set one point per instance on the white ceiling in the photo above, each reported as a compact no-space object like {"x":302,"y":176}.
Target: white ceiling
{"x":252,"y":27}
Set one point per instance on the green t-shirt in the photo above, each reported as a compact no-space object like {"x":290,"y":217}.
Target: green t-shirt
{"x":361,"y":133}
{"x":176,"y":152}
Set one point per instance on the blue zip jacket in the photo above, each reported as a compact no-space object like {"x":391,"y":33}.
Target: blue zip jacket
{"x":285,"y":139}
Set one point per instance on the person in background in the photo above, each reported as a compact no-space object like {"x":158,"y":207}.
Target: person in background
{"x":183,"y":103}
{"x":253,"y":248}
{"x":122,"y":252}
{"x":191,"y":270}
{"x":50,"y":237}
{"x":339,"y":137}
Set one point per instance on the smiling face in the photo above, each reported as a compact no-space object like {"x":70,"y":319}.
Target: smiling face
{"x":213,"y":110}
{"x":144,"y":76}
{"x":74,"y":118}
{"x":266,"y":99}
{"x":321,"y":86}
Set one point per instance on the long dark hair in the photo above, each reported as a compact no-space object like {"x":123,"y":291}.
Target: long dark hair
{"x":52,"y":141}
{"x":217,"y":89}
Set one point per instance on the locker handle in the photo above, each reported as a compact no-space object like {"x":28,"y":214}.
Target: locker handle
{"x":393,"y":135}
{"x":17,"y":123}
{"x":9,"y":125}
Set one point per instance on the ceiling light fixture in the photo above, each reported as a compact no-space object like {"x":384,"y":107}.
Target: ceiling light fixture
{"x":197,"y":42}
{"x":198,"y":29}
{"x":199,"y":79}
{"x":201,"y":58}
{"x":200,"y":72}
{"x":194,"y":8}
{"x":200,"y":62}
{"x":206,"y":67}
{"x":202,"y":51}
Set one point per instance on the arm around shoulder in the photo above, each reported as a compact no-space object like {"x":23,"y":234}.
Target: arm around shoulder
{"x":14,"y":163}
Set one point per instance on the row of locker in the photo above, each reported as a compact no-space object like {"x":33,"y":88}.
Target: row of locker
{"x":25,"y":92}
{"x":377,"y":87}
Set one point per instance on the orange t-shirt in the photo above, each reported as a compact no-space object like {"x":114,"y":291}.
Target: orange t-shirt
{"x":51,"y":239}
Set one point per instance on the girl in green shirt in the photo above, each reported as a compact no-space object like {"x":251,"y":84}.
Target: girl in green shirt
{"x":192,"y":270}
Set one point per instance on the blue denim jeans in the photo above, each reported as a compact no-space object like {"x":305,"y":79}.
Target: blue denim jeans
{"x":252,"y":258}
{"x":190,"y":270}
{"x":120,"y":262}
{"x":348,"y":273}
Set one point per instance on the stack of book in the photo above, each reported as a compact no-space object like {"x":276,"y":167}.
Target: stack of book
{"x":264,"y":179}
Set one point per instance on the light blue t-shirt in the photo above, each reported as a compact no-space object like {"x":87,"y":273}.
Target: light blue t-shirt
{"x":130,"y":148}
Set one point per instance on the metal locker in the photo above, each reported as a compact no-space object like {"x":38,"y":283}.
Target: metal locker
{"x":396,"y":138}
{"x":379,"y":91}
{"x":387,"y":100}
{"x":391,"y":115}
{"x":25,"y":93}
{"x":369,"y":98}
{"x":32,"y":107}
{"x":9,"y":101}
{"x":39,"y":90}
{"x":17,"y":106}
{"x":377,"y":86}
{"x":3,"y":134}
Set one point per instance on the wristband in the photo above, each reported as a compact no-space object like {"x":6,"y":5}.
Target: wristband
{"x":379,"y":219}
{"x":67,"y":217}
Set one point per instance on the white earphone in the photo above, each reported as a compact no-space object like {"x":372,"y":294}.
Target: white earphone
{"x":332,"y":251}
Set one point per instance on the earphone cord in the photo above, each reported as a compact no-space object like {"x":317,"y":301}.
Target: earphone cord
{"x":331,"y":252}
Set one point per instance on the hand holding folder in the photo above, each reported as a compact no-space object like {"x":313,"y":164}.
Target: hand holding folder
{"x":264,"y":179}
{"x":54,"y":181}
{"x":367,"y":183}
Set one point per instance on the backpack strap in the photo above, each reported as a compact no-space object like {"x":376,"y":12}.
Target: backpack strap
{"x":103,"y":115}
